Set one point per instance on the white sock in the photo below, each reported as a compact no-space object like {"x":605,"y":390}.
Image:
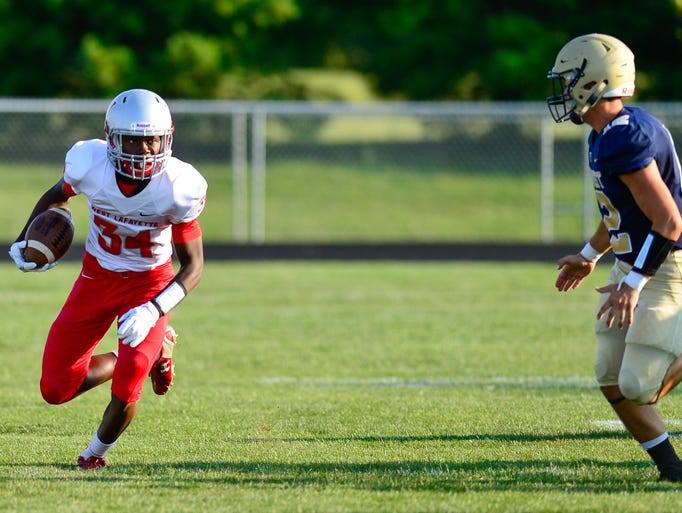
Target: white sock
{"x":97,"y":448}
{"x":653,"y":443}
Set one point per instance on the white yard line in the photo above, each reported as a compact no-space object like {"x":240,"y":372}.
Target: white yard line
{"x":477,"y":382}
{"x":616,"y":425}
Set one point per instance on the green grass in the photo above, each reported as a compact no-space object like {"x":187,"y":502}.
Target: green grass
{"x":320,"y":202}
{"x":338,"y":387}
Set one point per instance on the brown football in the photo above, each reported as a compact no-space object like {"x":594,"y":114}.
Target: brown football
{"x":49,"y":236}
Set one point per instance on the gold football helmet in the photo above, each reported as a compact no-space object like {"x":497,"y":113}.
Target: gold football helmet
{"x":589,"y":68}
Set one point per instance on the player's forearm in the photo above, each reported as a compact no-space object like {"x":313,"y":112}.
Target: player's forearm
{"x":669,"y":226}
{"x":191,"y":257}
{"x":600,"y":240}
{"x":189,"y":276}
{"x":53,"y":197}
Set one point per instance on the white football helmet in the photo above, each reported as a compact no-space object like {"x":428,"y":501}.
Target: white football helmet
{"x":589,"y":68}
{"x":138,"y":112}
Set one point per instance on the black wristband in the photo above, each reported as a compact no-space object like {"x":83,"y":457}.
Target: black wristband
{"x":655,"y":250}
{"x":156,"y":305}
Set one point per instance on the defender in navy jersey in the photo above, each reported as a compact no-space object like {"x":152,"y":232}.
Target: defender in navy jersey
{"x":627,"y":144}
{"x":636,"y":174}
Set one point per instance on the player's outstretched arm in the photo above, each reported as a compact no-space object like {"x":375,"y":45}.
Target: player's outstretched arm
{"x":573,"y":269}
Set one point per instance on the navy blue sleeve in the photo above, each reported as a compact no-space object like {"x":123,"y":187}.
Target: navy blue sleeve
{"x":625,"y":149}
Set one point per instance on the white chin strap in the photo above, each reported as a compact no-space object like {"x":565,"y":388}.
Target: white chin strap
{"x":594,"y":98}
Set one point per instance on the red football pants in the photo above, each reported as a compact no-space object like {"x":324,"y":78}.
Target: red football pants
{"x":97,"y":298}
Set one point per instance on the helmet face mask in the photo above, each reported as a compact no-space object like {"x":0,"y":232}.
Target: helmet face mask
{"x":561,"y":104}
{"x":587,"y":69}
{"x":138,"y":113}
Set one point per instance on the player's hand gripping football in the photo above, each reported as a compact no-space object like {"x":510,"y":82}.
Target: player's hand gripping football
{"x":573,"y":269}
{"x":15,"y":251}
{"x":134,"y":325}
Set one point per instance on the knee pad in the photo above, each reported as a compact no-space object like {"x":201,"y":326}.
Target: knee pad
{"x":606,"y":368}
{"x":53,"y":394}
{"x":633,"y":388}
{"x":642,"y":373}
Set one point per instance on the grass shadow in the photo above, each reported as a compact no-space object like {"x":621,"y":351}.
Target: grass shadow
{"x":586,"y":475}
{"x":481,"y":476}
{"x":494,"y":437}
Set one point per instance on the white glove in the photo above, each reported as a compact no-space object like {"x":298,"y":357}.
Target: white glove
{"x":15,"y":251}
{"x":134,"y":325}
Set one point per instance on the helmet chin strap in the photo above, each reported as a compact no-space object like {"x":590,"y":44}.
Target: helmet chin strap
{"x":577,"y":117}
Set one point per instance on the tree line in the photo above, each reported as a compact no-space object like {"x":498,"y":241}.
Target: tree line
{"x":322,"y":49}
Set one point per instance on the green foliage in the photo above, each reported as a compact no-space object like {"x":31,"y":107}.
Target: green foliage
{"x":419,"y":50}
{"x":196,"y":60}
{"x":103,"y":67}
{"x":338,"y":387}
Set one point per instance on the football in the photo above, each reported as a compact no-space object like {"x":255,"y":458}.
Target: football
{"x":49,"y":236}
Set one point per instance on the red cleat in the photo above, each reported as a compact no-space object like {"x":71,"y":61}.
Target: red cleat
{"x":91,"y":463}
{"x":163,"y":370}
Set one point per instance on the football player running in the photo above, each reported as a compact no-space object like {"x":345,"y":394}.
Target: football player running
{"x":636,"y":175}
{"x":142,"y":203}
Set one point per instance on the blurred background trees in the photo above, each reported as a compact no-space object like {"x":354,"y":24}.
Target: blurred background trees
{"x":322,"y":49}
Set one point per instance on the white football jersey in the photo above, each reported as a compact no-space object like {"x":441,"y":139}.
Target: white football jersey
{"x":132,"y":233}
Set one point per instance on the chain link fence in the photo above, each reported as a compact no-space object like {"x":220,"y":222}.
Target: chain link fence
{"x":298,"y":172}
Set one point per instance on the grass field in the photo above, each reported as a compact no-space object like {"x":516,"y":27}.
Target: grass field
{"x":308,"y":202}
{"x":339,"y":387}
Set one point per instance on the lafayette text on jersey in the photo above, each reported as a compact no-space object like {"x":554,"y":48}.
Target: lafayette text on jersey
{"x":132,"y":233}
{"x":628,"y":143}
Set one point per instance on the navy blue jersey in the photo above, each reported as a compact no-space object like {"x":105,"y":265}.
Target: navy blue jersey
{"x":628,"y":143}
